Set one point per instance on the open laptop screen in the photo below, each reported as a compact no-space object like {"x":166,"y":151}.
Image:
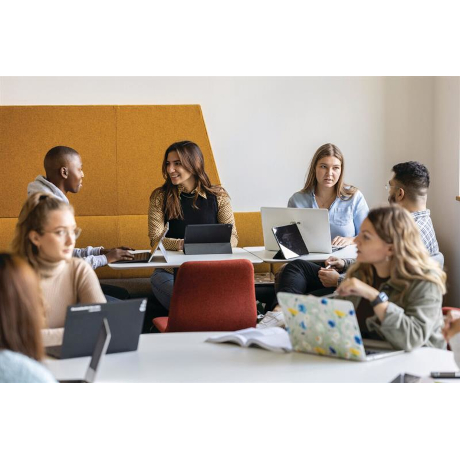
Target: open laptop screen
{"x":102,"y":343}
{"x":290,"y":241}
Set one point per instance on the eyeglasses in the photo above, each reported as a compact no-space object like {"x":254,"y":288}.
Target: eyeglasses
{"x":63,"y":233}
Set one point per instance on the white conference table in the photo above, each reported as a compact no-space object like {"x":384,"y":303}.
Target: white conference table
{"x":186,"y":357}
{"x":177,"y":258}
{"x":348,"y":252}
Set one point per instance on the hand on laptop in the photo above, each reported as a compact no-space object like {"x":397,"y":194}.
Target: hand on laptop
{"x":116,"y":254}
{"x":181,"y":245}
{"x":343,"y":240}
{"x":451,"y":324}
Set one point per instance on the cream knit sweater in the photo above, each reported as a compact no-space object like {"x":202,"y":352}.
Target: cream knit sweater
{"x":65,"y":283}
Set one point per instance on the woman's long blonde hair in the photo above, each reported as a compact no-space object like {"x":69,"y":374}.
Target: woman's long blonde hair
{"x":411,"y":260}
{"x":33,"y":216}
{"x":343,"y":191}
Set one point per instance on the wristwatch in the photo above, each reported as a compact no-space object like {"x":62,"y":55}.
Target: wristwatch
{"x":382,"y":297}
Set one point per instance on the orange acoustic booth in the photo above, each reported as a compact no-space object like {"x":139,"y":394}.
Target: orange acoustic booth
{"x":122,"y":149}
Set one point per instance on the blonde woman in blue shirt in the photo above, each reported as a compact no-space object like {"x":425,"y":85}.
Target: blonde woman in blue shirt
{"x":326,"y":189}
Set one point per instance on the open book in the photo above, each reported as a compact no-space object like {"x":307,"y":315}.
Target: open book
{"x":271,"y":338}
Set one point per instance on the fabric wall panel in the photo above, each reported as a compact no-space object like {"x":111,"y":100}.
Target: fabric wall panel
{"x":98,"y":231}
{"x":28,"y":132}
{"x":144,"y":133}
{"x":133,"y":232}
{"x":249,"y":228}
{"x":7,"y":227}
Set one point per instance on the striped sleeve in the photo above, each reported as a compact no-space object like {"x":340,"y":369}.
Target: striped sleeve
{"x":156,"y":220}
{"x":225,"y":215}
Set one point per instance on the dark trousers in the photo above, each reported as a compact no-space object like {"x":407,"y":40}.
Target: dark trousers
{"x":114,"y":293}
{"x":301,"y":277}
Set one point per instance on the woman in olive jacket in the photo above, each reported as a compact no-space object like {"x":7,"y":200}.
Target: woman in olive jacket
{"x":394,"y":285}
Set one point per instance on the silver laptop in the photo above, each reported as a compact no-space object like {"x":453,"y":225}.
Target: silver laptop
{"x":313,"y":226}
{"x":328,"y":327}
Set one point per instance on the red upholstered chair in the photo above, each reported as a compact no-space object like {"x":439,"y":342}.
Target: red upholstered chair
{"x":211,"y":296}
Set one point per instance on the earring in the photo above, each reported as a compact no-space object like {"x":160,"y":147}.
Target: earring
{"x":387,"y":258}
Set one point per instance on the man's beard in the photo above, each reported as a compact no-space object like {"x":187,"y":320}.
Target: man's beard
{"x":391,"y":199}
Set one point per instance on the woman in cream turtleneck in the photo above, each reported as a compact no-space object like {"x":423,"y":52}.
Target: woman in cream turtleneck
{"x":45,"y":235}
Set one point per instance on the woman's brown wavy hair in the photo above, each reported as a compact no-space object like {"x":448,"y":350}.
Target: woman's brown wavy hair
{"x":411,"y":260}
{"x":343,"y":191}
{"x":21,"y":308}
{"x":192,"y":160}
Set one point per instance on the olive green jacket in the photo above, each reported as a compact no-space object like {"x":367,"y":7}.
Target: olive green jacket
{"x":415,"y":322}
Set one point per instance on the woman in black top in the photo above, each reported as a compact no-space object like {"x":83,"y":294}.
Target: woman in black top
{"x":186,"y":198}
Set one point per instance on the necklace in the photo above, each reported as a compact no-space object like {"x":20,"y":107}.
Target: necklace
{"x":326,"y":203}
{"x":187,"y":195}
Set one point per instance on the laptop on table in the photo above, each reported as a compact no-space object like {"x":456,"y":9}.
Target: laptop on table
{"x":208,"y":239}
{"x":313,"y":226}
{"x":83,"y":323}
{"x":100,"y":348}
{"x":328,"y":327}
{"x":146,"y":256}
{"x":290,"y":242}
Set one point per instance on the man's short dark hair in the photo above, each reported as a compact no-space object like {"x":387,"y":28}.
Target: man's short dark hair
{"x":413,"y":177}
{"x":56,"y":157}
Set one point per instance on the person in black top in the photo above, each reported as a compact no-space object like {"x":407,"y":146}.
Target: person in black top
{"x":186,"y":198}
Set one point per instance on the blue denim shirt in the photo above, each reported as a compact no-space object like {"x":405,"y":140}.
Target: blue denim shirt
{"x":345,"y":216}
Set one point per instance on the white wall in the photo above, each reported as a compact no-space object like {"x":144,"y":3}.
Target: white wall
{"x":445,"y":179}
{"x":264,"y":130}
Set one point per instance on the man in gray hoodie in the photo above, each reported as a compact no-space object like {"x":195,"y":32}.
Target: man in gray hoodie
{"x":64,"y":173}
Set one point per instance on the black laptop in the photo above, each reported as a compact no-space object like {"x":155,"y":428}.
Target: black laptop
{"x":290,"y":242}
{"x":83,"y":323}
{"x":208,"y":239}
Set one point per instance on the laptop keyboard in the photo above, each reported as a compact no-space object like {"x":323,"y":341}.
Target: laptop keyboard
{"x":138,"y":257}
{"x":375,"y":352}
{"x":141,"y":256}
{"x":54,"y":351}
